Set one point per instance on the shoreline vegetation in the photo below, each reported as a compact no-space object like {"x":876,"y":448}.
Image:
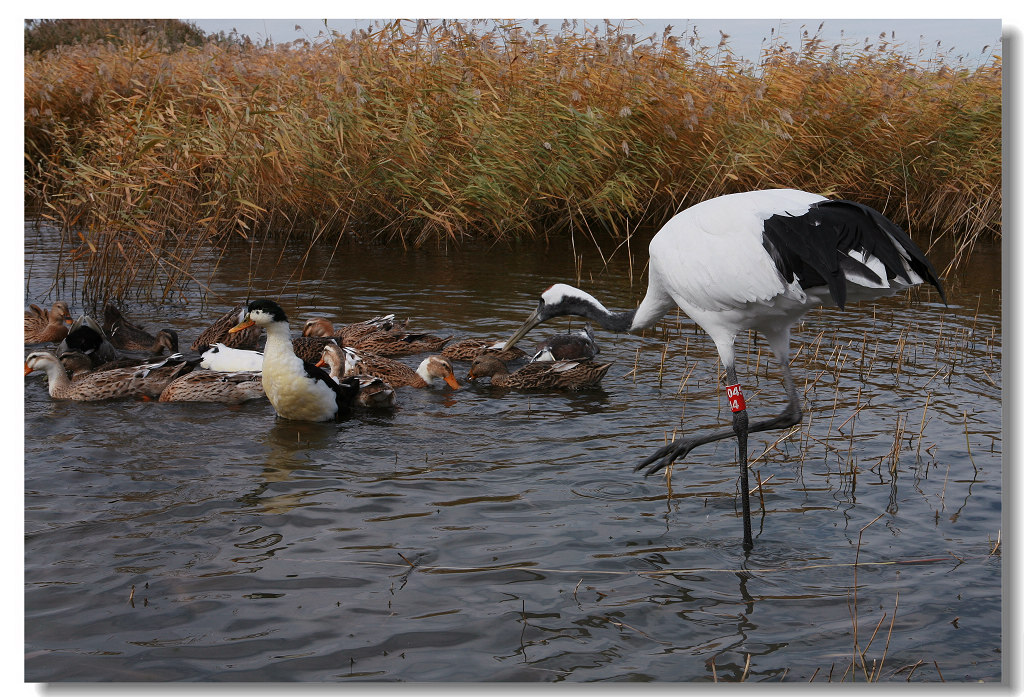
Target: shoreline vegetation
{"x":151,"y":154}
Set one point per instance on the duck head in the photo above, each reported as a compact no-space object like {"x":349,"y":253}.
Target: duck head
{"x":434,"y":368}
{"x":42,"y":360}
{"x":334,"y":359}
{"x":262,"y":313}
{"x":318,"y":326}
{"x":486,"y":366}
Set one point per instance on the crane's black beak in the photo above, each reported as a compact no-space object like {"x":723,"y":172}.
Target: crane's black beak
{"x":532,"y":321}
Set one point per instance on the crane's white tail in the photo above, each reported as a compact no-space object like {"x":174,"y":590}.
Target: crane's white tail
{"x":840,"y":242}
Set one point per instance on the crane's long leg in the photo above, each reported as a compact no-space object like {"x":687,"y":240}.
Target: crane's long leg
{"x":678,"y":448}
{"x":742,"y":426}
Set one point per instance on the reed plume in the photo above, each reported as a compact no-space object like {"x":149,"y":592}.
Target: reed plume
{"x":153,"y":159}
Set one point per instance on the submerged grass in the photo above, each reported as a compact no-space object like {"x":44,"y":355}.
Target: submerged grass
{"x":424,"y":132}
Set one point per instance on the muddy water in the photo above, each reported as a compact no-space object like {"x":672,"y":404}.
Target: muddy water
{"x":483,"y":535}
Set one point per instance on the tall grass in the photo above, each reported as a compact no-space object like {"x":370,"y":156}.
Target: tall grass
{"x":45,"y":34}
{"x":422,"y":132}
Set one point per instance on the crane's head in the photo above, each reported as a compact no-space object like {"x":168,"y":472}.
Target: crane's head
{"x":558,"y":301}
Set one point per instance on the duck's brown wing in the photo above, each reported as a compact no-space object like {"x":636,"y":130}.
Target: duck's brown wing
{"x":311,"y":348}
{"x":411,"y":344}
{"x":395,"y":373}
{"x":214,"y":386}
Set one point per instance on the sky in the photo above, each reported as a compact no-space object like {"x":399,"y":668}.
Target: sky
{"x":966,"y":37}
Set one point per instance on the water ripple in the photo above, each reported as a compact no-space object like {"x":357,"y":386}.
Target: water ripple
{"x":489,"y":535}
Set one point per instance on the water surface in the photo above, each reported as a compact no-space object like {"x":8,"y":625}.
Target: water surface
{"x":483,"y":535}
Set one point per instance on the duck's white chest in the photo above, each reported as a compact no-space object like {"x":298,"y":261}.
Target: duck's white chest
{"x":293,"y":394}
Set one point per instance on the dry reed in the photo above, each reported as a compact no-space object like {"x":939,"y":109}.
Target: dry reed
{"x":422,"y":132}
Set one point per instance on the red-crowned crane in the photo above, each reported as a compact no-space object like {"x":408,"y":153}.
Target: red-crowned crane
{"x":755,"y":260}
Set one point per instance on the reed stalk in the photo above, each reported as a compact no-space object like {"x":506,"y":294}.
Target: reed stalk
{"x":856,"y":562}
{"x":152,"y":158}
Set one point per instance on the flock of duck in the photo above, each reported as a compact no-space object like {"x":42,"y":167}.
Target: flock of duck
{"x":318,"y":376}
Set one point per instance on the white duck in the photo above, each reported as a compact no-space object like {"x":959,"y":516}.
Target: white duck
{"x":297,"y":390}
{"x":226,"y":359}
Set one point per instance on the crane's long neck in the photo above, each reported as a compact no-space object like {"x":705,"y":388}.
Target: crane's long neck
{"x":598,"y":313}
{"x":561,"y":300}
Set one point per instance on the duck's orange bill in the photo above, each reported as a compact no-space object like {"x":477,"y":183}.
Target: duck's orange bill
{"x":452,"y":382}
{"x":321,"y":364}
{"x":27,"y":369}
{"x":240,"y":326}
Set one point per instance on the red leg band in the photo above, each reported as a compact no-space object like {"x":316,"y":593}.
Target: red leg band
{"x":735,"y":395}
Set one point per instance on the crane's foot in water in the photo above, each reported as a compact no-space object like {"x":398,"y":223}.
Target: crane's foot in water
{"x":666,"y":455}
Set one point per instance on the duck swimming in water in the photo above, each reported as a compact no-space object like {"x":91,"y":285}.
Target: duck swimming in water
{"x":349,"y":334}
{"x":400,"y":345}
{"x":380,"y":341}
{"x":225,"y":359}
{"x":42,"y":326}
{"x":297,"y":390}
{"x":131,"y":337}
{"x":310,"y":348}
{"x":578,"y":345}
{"x":85,"y":335}
{"x":144,"y":381}
{"x":374,"y":392}
{"x":213,"y":386}
{"x":218,"y":333}
{"x":79,"y":364}
{"x":432,"y":370}
{"x":563,"y":375}
{"x":468,"y":349}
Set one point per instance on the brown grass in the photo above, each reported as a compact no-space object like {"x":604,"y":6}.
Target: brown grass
{"x":424,"y":132}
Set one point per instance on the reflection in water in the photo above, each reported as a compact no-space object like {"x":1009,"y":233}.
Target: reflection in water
{"x":486,"y":534}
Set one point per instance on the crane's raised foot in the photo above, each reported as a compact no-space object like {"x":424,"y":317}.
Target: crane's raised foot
{"x":666,"y":455}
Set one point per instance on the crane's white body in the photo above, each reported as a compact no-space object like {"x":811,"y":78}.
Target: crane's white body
{"x":755,"y":260}
{"x":710,"y":261}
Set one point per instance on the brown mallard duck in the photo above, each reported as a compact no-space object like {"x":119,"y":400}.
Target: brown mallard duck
{"x":349,"y":333}
{"x":562,"y":375}
{"x":79,"y":364}
{"x":130,"y":337}
{"x":42,"y":326}
{"x":431,"y":370}
{"x":217,"y":333}
{"x":374,"y":392}
{"x":146,"y":381}
{"x":378,"y":340}
{"x":308,"y":348}
{"x":578,"y":345}
{"x":311,"y":348}
{"x":213,"y":386}
{"x":394,"y":345}
{"x":468,"y":349}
